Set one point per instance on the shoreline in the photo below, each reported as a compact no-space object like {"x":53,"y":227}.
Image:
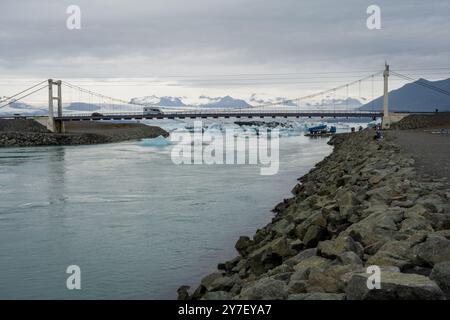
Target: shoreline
{"x":29,"y":133}
{"x":363,"y":205}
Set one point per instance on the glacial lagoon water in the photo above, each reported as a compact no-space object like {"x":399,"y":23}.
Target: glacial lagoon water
{"x":137,"y":225}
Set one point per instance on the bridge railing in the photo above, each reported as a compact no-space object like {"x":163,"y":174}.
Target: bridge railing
{"x":226,"y":112}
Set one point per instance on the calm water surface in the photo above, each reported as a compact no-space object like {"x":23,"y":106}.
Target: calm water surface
{"x":136,"y":224}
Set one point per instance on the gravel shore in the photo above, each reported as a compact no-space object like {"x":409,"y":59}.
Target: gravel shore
{"x":28,"y":133}
{"x":364,"y":205}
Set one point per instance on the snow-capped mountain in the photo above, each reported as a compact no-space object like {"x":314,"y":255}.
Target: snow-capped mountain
{"x":202,"y":101}
{"x":80,"y":106}
{"x":20,"y":108}
{"x":262,"y":99}
{"x":325,"y":103}
{"x":340,"y":103}
{"x":159,"y":101}
{"x":227,"y":102}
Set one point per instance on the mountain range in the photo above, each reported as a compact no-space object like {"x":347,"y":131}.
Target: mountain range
{"x":230,"y":102}
{"x":415,"y":97}
{"x":202,"y":101}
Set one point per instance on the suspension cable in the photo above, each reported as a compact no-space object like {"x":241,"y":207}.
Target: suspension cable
{"x":20,"y":98}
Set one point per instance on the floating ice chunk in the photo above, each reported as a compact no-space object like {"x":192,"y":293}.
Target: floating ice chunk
{"x":159,"y":141}
{"x":215,"y":126}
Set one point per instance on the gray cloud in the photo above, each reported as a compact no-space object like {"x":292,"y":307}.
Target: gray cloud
{"x":179,"y":37}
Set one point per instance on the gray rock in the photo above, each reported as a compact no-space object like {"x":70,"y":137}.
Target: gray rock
{"x":297,"y":245}
{"x":402,"y":204}
{"x":379,"y":195}
{"x":393,"y":253}
{"x":434,"y":202}
{"x":210,"y":279}
{"x":375,"y":179}
{"x":284,"y":268}
{"x":441,"y":274}
{"x":332,"y":280}
{"x":346,"y":201}
{"x":317,"y":296}
{"x":222,"y":284}
{"x":423,"y":271}
{"x":297,"y":286}
{"x":394,"y":286}
{"x":303,"y":268}
{"x":183,"y":293}
{"x":305,"y":254}
{"x":438,"y":221}
{"x":411,"y":225}
{"x":333,"y":248}
{"x":268,"y":256}
{"x":349,"y":257}
{"x":285,"y":276}
{"x":265,"y":289}
{"x":415,"y":211}
{"x":434,"y":250}
{"x":242,"y":244}
{"x":313,"y":235}
{"x":374,"y":247}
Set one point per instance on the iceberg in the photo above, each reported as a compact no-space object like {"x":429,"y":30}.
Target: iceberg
{"x":159,"y":141}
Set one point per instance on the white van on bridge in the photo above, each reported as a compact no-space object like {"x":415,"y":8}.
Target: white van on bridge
{"x":152,"y":111}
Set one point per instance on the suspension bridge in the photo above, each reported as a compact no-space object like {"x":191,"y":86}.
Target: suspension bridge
{"x":83,"y":104}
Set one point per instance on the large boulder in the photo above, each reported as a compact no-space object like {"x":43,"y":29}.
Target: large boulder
{"x":439,"y":221}
{"x":393,"y":253}
{"x":411,"y":225}
{"x":379,"y":224}
{"x":349,"y":257}
{"x":242,"y":245}
{"x":183,"y":293}
{"x":441,"y":274}
{"x":379,"y":195}
{"x":333,"y":248}
{"x":415,"y":211}
{"x":297,"y":286}
{"x":434,"y":250}
{"x":303,"y":268}
{"x":346,"y":201}
{"x":284,"y":227}
{"x":207,"y":282}
{"x":313,"y":235}
{"x":265,"y":289}
{"x":332,"y":279}
{"x":268,"y":256}
{"x":305,"y":254}
{"x":394,"y":286}
{"x":434,"y":202}
{"x":223,"y":283}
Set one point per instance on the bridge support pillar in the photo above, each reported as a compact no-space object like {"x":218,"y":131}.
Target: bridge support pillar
{"x":386,"y":122}
{"x":53,"y":125}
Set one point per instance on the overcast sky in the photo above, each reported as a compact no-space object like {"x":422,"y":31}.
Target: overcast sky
{"x":186,"y":47}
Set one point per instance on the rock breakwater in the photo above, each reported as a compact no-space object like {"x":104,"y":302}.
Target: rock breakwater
{"x":362,"y":206}
{"x":28,"y":133}
{"x":417,"y":121}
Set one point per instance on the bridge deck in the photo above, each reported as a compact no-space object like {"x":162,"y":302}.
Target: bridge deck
{"x":230,"y":114}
